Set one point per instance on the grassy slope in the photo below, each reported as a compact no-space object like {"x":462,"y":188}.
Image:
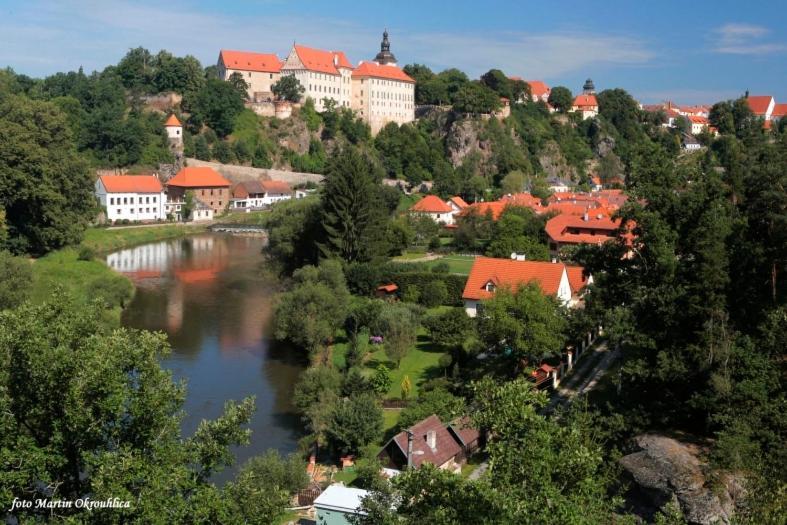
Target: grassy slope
{"x":104,"y":240}
{"x":459,"y":264}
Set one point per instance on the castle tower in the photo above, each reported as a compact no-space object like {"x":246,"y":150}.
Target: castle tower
{"x":589,"y":88}
{"x":175,"y":135}
{"x":385,"y":56}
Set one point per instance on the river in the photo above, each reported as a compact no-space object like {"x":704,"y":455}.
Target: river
{"x":209,"y":293}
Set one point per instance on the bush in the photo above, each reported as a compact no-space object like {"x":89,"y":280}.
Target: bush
{"x":86,"y":253}
{"x":112,"y":290}
{"x":434,"y":294}
{"x":16,"y":277}
{"x":411,"y":294}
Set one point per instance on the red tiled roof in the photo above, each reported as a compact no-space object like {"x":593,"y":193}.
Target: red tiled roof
{"x":779,"y":110}
{"x":172,"y":121}
{"x":131,"y":183}
{"x":275,"y":186}
{"x":446,"y":446}
{"x":759,"y":104}
{"x":431,"y":204}
{"x":373,"y":69}
{"x":197,"y":177}
{"x":604,"y":227}
{"x":247,"y":61}
{"x":694,"y":119}
{"x":524,"y":199}
{"x":463,"y":429}
{"x":388,"y":288}
{"x":459,"y":201}
{"x":511,"y":273}
{"x":538,"y":88}
{"x":322,"y":61}
{"x":585,"y":101}
{"x":576,"y":277}
{"x":483,"y":208}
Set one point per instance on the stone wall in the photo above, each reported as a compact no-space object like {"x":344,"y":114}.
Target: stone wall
{"x":237,"y":174}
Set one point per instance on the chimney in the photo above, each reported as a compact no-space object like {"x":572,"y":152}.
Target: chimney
{"x":409,"y":449}
{"x":431,"y":439}
{"x":335,"y":59}
{"x":585,"y":217}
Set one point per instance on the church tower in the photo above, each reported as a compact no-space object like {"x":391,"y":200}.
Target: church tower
{"x":589,"y":88}
{"x":385,"y":56}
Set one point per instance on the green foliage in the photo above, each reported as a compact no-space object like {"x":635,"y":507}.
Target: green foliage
{"x":288,"y":88}
{"x":449,"y":329}
{"x":293,"y":229}
{"x":222,"y":152}
{"x":398,"y":324}
{"x":475,"y":98}
{"x":501,"y":84}
{"x":237,"y":81}
{"x":217,"y":105}
{"x":560,"y":98}
{"x":513,"y":182}
{"x":272,"y":472}
{"x":434,"y":294}
{"x":518,"y":230}
{"x":114,"y":428}
{"x":112,"y":292}
{"x":355,"y":422}
{"x":525,"y":321}
{"x":381,"y":380}
{"x":438,"y":401}
{"x":16,"y":277}
{"x":310,"y":115}
{"x":45,"y":189}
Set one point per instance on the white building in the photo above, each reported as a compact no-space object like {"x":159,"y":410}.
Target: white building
{"x":431,"y":206}
{"x":586,"y":103}
{"x":337,"y":503}
{"x":131,"y":197}
{"x":259,"y":194}
{"x":259,"y":70}
{"x":174,"y":129}
{"x":323,"y":74}
{"x":382,"y":94}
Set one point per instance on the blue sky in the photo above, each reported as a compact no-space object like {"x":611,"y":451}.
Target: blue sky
{"x":690,"y":51}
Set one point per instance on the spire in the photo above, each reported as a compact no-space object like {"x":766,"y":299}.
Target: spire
{"x":588,"y":88}
{"x":385,"y":56}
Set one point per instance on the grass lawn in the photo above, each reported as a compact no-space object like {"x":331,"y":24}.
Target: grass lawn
{"x":64,"y":270}
{"x":252,"y":217}
{"x":459,"y":264}
{"x":390,"y":418}
{"x":346,"y":476}
{"x":105,"y":240}
{"x":472,"y":463}
{"x":411,"y":255}
{"x":407,"y":201}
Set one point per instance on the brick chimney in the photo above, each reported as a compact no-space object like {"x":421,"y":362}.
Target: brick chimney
{"x":431,"y":440}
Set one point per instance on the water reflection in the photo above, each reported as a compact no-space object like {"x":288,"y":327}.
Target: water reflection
{"x":209,"y":295}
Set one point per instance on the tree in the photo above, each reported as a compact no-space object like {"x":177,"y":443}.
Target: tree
{"x":310,"y":313}
{"x":188,"y":206}
{"x":272,"y":471}
{"x":398,"y":324}
{"x":16,"y":277}
{"x":610,"y":169}
{"x":288,"y":88}
{"x":475,"y":98}
{"x":352,"y":218}
{"x":46,"y":190}
{"x":237,"y":81}
{"x":355,"y":422}
{"x":523,"y":323}
{"x":217,"y":105}
{"x":222,"y":152}
{"x":201,"y":148}
{"x":381,"y":380}
{"x":518,"y":230}
{"x":449,"y":329}
{"x":407,"y":387}
{"x":114,"y":428}
{"x":438,"y":401}
{"x":434,"y":293}
{"x":560,"y":98}
{"x":513,"y":182}
{"x":136,"y":69}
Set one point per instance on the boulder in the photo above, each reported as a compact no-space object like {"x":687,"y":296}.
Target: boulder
{"x":663,"y":469}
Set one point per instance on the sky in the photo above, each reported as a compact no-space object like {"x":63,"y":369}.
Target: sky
{"x":689,"y":51}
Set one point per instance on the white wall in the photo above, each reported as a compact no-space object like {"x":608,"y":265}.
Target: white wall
{"x":379,"y":101}
{"x":131,"y":206}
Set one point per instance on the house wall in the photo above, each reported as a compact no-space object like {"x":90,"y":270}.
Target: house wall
{"x":131,"y":206}
{"x":217,"y":197}
{"x":332,"y":517}
{"x":174,"y":132}
{"x":380,"y":101}
{"x":259,"y":82}
{"x":471,"y":307}
{"x":320,"y":85}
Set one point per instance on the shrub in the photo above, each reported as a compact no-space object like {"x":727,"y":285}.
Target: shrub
{"x":86,"y":253}
{"x":434,"y":294}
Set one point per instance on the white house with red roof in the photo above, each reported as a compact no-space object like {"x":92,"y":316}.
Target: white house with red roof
{"x":586,"y":103}
{"x":761,"y":105}
{"x":251,"y":194}
{"x":323,"y":74}
{"x":174,"y":129}
{"x":539,"y":91}
{"x":555,"y":279}
{"x":382,"y":93}
{"x":131,"y":197}
{"x":779,"y":112}
{"x":204,"y":183}
{"x":435,"y":208}
{"x":259,"y":70}
{"x":698,"y":124}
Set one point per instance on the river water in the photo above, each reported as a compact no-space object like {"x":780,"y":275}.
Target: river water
{"x":210,"y":294}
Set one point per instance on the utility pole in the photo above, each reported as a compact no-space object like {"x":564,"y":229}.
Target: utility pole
{"x":409,"y":449}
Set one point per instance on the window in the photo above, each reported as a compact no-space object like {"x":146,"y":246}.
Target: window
{"x":154,"y":200}
{"x":490,"y":286}
{"x":131,"y":211}
{"x":112,"y":200}
{"x":271,"y":75}
{"x":118,"y":211}
{"x":125,"y":200}
{"x":131,"y":200}
{"x":147,"y":200}
{"x":211,"y":191}
{"x":249,"y":74}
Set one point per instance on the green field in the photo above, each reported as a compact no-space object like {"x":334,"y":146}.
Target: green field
{"x":406,"y":202}
{"x":105,"y":240}
{"x":459,"y":264}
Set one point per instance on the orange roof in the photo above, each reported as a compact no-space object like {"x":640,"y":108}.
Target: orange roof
{"x":197,"y":177}
{"x":593,"y":229}
{"x":585,"y":101}
{"x":373,"y":69}
{"x":246,"y":61}
{"x":431,"y":204}
{"x":172,"y":121}
{"x":759,"y":104}
{"x":388,"y":288}
{"x":322,"y":61}
{"x":576,"y":277}
{"x":459,"y":201}
{"x":483,"y":208}
{"x":275,"y":186}
{"x":131,"y":183}
{"x":511,"y":273}
{"x":538,"y":88}
{"x":779,"y":110}
{"x":698,"y":120}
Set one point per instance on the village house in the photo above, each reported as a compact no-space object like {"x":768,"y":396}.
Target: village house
{"x":761,"y":105}
{"x":689,"y":143}
{"x":586,"y":103}
{"x":433,"y":207}
{"x":248,"y":195}
{"x":382,"y":94}
{"x":593,"y":227}
{"x":337,"y":503}
{"x":430,"y":441}
{"x":131,"y":197}
{"x":205,"y":184}
{"x":457,"y":204}
{"x":323,"y":75}
{"x":698,"y":124}
{"x":259,"y":70}
{"x":488,"y":274}
{"x":539,"y":91}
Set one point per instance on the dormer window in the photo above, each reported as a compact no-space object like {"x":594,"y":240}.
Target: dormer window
{"x":490,"y":286}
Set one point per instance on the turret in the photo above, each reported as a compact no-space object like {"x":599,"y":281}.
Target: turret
{"x":385,"y":56}
{"x":588,"y":88}
{"x":174,"y":129}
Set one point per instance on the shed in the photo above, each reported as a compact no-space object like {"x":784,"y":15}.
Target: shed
{"x":337,"y":503}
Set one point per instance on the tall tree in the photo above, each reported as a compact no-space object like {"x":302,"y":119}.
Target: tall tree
{"x":288,"y":88}
{"x":560,"y":98}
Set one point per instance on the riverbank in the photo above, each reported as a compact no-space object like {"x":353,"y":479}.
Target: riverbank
{"x":111,"y":239}
{"x":84,"y":280}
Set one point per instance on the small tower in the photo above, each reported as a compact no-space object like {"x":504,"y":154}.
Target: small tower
{"x":385,"y":56}
{"x":175,"y":135}
{"x":174,"y":129}
{"x":589,"y":88}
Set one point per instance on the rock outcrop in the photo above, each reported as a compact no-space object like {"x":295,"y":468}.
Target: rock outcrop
{"x":663,"y":469}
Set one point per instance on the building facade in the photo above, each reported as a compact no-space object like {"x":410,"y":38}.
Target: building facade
{"x":323,"y":75}
{"x":381,"y":94}
{"x":259,"y":70}
{"x":252,"y":194}
{"x":131,"y":197}
{"x":205,"y":184}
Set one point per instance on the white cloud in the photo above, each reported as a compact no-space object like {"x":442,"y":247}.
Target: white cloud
{"x":744,"y":39}
{"x":47,"y":36}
